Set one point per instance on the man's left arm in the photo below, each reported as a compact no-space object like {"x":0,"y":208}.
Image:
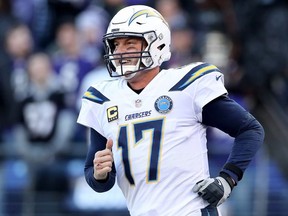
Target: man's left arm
{"x":228,"y":116}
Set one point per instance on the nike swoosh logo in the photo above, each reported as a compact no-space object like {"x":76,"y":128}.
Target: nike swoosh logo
{"x":218,"y":77}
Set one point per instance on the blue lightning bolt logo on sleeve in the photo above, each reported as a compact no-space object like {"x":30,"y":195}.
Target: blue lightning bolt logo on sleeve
{"x":94,"y":95}
{"x":194,"y":74}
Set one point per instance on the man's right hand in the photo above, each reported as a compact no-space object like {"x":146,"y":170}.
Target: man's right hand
{"x":103,"y":161}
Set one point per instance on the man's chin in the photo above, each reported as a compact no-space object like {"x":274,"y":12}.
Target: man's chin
{"x":129,"y":75}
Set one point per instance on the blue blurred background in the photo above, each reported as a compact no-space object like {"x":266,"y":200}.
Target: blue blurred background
{"x":51,"y":51}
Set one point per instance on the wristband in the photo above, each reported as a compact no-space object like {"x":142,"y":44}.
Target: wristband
{"x":234,"y":169}
{"x":230,"y":181}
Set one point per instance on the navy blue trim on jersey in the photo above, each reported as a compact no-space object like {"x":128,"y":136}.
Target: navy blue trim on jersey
{"x":193,"y":75}
{"x":228,"y":116}
{"x":209,"y":211}
{"x":98,"y":143}
{"x":94,"y":95}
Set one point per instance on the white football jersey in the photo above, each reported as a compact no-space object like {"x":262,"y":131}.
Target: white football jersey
{"x":159,"y":142}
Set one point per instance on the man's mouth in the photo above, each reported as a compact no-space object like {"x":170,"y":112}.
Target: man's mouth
{"x":124,"y":62}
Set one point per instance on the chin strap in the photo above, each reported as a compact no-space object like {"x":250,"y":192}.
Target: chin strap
{"x":127,"y":69}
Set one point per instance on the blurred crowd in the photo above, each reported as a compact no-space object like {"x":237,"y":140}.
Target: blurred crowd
{"x":51,"y":51}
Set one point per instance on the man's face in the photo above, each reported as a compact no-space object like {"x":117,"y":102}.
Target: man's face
{"x":131,"y":46}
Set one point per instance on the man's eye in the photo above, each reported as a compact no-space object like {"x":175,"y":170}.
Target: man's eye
{"x":131,"y":42}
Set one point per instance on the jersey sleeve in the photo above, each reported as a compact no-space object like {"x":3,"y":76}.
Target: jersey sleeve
{"x":207,"y":89}
{"x":89,"y":112}
{"x":86,"y":115}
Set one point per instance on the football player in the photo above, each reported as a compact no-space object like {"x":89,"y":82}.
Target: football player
{"x":148,"y":126}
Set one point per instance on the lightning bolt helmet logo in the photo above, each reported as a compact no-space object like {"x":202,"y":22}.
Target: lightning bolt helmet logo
{"x":148,"y":13}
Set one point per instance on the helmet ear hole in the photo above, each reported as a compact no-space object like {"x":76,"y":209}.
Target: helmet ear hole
{"x":161,"y":47}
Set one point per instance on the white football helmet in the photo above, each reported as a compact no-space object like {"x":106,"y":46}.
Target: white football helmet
{"x":137,"y":21}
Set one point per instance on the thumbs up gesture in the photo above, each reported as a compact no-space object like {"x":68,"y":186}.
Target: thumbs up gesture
{"x":103,"y":161}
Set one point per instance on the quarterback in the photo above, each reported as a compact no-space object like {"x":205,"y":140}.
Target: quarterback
{"x":148,"y":125}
